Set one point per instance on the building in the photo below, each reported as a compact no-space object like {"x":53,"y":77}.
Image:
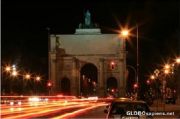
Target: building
{"x":87,"y":62}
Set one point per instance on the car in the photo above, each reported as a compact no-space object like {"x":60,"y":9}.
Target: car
{"x":170,"y":100}
{"x":127,"y":108}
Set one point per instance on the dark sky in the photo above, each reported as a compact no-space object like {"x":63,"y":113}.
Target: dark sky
{"x":25,"y":39}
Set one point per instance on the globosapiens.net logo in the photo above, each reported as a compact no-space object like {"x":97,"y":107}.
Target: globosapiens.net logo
{"x":144,"y":113}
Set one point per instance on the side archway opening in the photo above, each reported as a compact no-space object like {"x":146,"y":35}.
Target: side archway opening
{"x":112,"y":87}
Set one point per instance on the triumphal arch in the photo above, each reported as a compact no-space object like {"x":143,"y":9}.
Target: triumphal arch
{"x":87,"y":62}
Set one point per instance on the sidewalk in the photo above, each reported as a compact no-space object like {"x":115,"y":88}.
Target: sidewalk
{"x":158,"y":105}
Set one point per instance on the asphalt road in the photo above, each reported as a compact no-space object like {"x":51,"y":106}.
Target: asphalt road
{"x":76,"y":109}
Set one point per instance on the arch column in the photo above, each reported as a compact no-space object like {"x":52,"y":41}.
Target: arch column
{"x":101,"y":82}
{"x":122,"y":80}
{"x":74,"y":81}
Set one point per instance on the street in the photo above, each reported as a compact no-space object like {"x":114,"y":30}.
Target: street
{"x":71,"y":108}
{"x":54,"y":109}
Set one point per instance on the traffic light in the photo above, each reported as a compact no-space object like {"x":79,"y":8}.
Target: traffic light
{"x":135,"y":86}
{"x":112,"y":90}
{"x":112,"y":65}
{"x":148,"y":82}
{"x":49,"y":84}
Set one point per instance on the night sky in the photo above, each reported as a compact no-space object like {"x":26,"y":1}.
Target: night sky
{"x":25,"y":38}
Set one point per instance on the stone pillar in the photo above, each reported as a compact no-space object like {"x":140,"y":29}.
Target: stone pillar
{"x":74,"y":80}
{"x":52,"y":71}
{"x":101,"y":82}
{"x":121,"y":80}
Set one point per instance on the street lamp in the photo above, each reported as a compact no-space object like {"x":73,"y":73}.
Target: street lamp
{"x":167,"y":66}
{"x":152,"y":77}
{"x":166,"y":71}
{"x":7,"y":68}
{"x":38,"y":78}
{"x":27,"y":76}
{"x":178,"y":60}
{"x":14,"y":73}
{"x":125,"y":33}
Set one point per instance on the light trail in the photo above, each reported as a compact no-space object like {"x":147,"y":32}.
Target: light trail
{"x":36,"y":112}
{"x":27,"y":107}
{"x":78,"y":112}
{"x":54,"y":106}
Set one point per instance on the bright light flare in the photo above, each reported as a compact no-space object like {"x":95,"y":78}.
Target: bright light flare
{"x":11,"y":103}
{"x":19,"y":103}
{"x":148,"y":82}
{"x":8,"y":68}
{"x":93,"y":98}
{"x":14,"y":73}
{"x":125,"y":33}
{"x":112,"y":63}
{"x":152,"y":77}
{"x":34,"y":99}
{"x":167,"y":66}
{"x":49,"y":84}
{"x":38,"y":78}
{"x":27,"y":76}
{"x":166,"y":71}
{"x":12,"y":109}
{"x":178,"y":60}
{"x":135,"y":85}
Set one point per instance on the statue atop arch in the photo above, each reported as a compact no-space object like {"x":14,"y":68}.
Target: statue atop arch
{"x":87,"y":19}
{"x":87,"y":23}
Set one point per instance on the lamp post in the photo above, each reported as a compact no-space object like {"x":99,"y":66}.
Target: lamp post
{"x":137,"y":53}
{"x":125,"y":33}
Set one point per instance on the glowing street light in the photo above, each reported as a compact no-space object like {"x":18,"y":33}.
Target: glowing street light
{"x":27,"y":76}
{"x":152,"y":77}
{"x":14,"y":67}
{"x":167,"y":66}
{"x":14,"y":73}
{"x":8,"y":68}
{"x":178,"y":60}
{"x":166,"y":71}
{"x":125,"y":33}
{"x":38,"y":78}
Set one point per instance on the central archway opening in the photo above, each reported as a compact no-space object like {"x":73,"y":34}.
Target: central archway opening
{"x":112,"y":87}
{"x":88,"y":80}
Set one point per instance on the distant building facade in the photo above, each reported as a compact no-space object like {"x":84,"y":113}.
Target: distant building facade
{"x":87,"y":62}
